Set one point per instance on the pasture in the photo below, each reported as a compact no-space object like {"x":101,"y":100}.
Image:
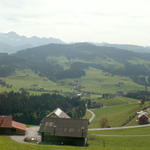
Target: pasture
{"x":95,"y":81}
{"x":94,"y":143}
{"x":116,"y":115}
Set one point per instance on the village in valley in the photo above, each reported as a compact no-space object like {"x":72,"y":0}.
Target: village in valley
{"x":58,"y":128}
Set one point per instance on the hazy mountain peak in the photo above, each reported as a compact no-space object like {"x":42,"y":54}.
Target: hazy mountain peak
{"x":17,"y":42}
{"x":12,"y":33}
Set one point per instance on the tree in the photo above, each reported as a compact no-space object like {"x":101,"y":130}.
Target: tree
{"x":103,"y":122}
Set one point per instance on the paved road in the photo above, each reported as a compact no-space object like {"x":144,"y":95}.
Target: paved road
{"x":115,"y":128}
{"x":121,"y":135}
{"x":92,"y":117}
{"x":18,"y":138}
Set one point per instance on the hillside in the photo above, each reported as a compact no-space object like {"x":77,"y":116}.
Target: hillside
{"x":134,"y":48}
{"x":74,"y":68}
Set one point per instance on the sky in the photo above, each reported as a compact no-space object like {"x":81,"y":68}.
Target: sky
{"x":113,"y":21}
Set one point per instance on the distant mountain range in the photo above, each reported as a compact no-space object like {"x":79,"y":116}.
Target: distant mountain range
{"x":134,"y":48}
{"x":11,"y":42}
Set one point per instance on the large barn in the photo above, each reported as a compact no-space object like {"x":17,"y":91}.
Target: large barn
{"x":65,"y":131}
{"x":8,"y":126}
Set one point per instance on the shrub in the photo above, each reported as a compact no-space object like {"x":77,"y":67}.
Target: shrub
{"x":104,"y":122}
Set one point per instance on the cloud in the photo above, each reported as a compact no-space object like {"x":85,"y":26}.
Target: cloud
{"x":79,"y":20}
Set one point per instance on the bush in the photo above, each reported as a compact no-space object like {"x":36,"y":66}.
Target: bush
{"x":104,"y":122}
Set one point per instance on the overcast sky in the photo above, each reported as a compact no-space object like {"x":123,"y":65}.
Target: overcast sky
{"x":114,"y":21}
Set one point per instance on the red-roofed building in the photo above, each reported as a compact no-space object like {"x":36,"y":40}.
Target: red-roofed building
{"x":8,"y":126}
{"x":142,"y":117}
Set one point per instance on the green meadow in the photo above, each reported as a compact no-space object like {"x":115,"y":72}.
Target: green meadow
{"x":116,"y":115}
{"x":99,"y":82}
{"x":95,"y":81}
{"x":31,"y":82}
{"x":94,"y":143}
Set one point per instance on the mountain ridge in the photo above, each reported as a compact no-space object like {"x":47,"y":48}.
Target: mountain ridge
{"x":130,"y":47}
{"x":52,"y":59}
{"x":11,"y":42}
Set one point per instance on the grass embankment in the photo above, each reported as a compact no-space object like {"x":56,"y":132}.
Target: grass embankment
{"x":117,"y":110}
{"x":94,"y":143}
{"x":116,"y":115}
{"x":132,"y":131}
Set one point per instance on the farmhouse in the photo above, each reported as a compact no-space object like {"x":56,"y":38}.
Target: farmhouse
{"x":142,"y":117}
{"x":8,"y":126}
{"x":66,"y":131}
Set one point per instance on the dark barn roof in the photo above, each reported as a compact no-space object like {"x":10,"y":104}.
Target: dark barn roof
{"x":65,"y":127}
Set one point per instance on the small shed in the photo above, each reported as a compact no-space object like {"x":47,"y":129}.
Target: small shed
{"x":64,"y":131}
{"x":8,"y":126}
{"x":142,"y":117}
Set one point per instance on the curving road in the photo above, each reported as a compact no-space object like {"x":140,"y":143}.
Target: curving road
{"x":92,"y":117}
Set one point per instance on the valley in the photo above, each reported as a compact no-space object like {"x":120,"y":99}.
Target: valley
{"x":107,"y":78}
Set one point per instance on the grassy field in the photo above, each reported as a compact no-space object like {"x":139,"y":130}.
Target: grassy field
{"x":132,"y":131}
{"x":116,"y":114}
{"x":31,"y":82}
{"x":114,"y":101}
{"x":94,"y":143}
{"x":95,"y":81}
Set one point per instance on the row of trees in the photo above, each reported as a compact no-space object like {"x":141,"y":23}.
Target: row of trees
{"x":31,"y":109}
{"x":141,"y":95}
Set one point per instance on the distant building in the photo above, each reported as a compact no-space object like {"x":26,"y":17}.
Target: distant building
{"x":79,"y":94}
{"x":63,"y":131}
{"x":95,"y":105}
{"x":8,"y":126}
{"x":142,"y":117}
{"x":57,"y":113}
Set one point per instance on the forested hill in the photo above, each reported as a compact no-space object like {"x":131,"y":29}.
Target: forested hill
{"x":83,"y":51}
{"x":62,"y":61}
